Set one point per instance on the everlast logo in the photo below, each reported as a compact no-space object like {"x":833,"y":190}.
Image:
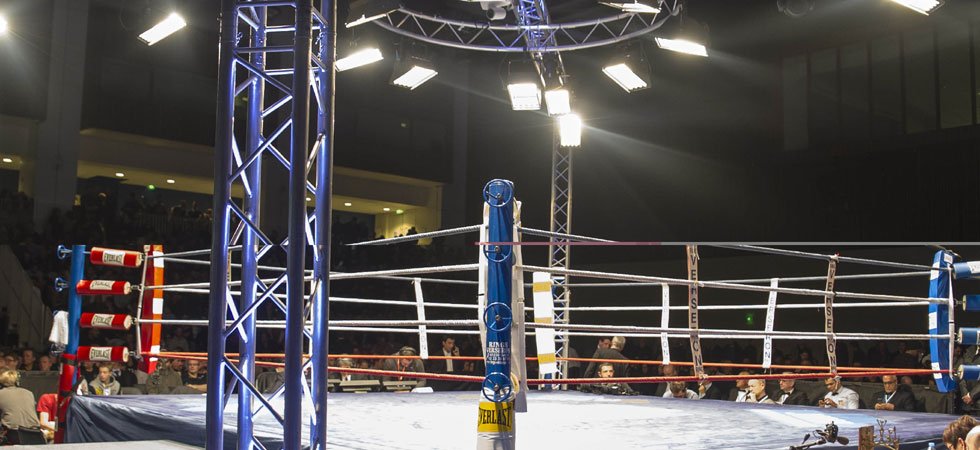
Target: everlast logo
{"x":112,"y":258}
{"x":100,"y":354}
{"x":501,"y":417}
{"x":100,"y":285}
{"x":102,"y":320}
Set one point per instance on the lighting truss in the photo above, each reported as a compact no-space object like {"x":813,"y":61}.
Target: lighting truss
{"x":495,"y":37}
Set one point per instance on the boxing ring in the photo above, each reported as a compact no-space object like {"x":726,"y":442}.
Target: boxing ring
{"x":549,"y":417}
{"x":561,"y":419}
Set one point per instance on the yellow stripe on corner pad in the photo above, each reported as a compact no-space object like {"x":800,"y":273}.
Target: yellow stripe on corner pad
{"x":495,"y":417}
{"x":541,"y":286}
{"x":548,"y":319}
{"x":545,"y":358}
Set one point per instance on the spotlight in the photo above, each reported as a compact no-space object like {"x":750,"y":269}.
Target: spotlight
{"x":348,"y":204}
{"x":921,"y":6}
{"x":364,"y":11}
{"x":691,"y":37}
{"x":412,"y":71}
{"x":629,"y":71}
{"x":570,"y":130}
{"x":795,"y":8}
{"x":636,"y":6}
{"x":3,"y":25}
{"x":522,"y":85}
{"x":558,"y":101}
{"x":386,"y":209}
{"x":120,"y":174}
{"x":359,"y":58}
{"x":171,"y":181}
{"x":166,"y":27}
{"x":8,"y":160}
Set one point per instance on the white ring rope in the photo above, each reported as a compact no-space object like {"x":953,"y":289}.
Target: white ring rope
{"x":551,"y":234}
{"x":741,"y":307}
{"x":801,"y":254}
{"x":419,"y":236}
{"x":341,"y":276}
{"x":865,"y":276}
{"x":720,"y":285}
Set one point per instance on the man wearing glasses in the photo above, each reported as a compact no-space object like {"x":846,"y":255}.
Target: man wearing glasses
{"x":893,"y":398}
{"x":789,"y":395}
{"x":838,"y":396}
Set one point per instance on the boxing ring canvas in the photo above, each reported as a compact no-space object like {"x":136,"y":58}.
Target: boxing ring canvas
{"x":558,"y":420}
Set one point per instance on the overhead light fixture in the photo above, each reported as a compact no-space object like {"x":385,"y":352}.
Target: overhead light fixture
{"x":309,"y":199}
{"x":522,"y":86}
{"x":151,"y":187}
{"x":570,"y":130}
{"x":359,"y":58}
{"x":921,"y":6}
{"x":795,"y":8}
{"x":166,"y":27}
{"x":629,"y":70}
{"x":412,"y":71}
{"x":120,"y":174}
{"x":171,"y":181}
{"x":637,"y":6}
{"x":348,"y":204}
{"x":3,"y":25}
{"x":386,"y":209}
{"x":8,"y":160}
{"x":399,"y":211}
{"x":558,"y":101}
{"x":689,"y":37}
{"x":364,"y":11}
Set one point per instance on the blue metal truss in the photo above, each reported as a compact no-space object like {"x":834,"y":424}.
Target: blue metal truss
{"x":246,"y":41}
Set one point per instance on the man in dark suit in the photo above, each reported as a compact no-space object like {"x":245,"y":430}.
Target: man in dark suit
{"x":892,"y":398}
{"x":789,"y":395}
{"x":710,"y":391}
{"x":615,"y":351}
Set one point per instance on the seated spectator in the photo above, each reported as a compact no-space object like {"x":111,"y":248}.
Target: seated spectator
{"x":87,"y":371}
{"x":16,"y":403}
{"x":741,"y":389}
{"x":165,"y":379}
{"x":663,"y":388}
{"x":757,"y":392}
{"x":708,"y":390}
{"x":11,"y":362}
{"x":47,"y":411}
{"x":894,"y":397}
{"x":608,"y":370}
{"x":838,"y":396}
{"x":678,"y":389}
{"x":404,"y":364}
{"x":104,"y":383}
{"x":789,"y":395}
{"x":347,"y":363}
{"x":125,"y":374}
{"x":28,"y":361}
{"x":45,"y":363}
{"x":449,"y":349}
{"x":194,"y":378}
{"x":955,"y":434}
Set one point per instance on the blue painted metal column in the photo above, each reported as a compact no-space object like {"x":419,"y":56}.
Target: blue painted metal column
{"x":250,"y":242}
{"x":940,"y":320}
{"x":296,"y":251}
{"x":224,"y":139}
{"x":327,"y":41}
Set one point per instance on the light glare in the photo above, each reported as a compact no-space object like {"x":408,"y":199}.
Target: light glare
{"x":682,"y":46}
{"x":524,"y":96}
{"x":348,"y":204}
{"x":624,"y":77}
{"x":3,"y":25}
{"x":120,"y":174}
{"x":365,"y":19}
{"x":358,"y":59}
{"x":415,"y":77}
{"x":165,"y":28}
{"x":570,"y":130}
{"x":920,"y":6}
{"x":558,"y":102}
{"x":634,"y":7}
{"x":8,"y":160}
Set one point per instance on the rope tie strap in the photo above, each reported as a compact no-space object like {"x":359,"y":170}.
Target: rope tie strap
{"x":828,"y":301}
{"x":692,"y":310}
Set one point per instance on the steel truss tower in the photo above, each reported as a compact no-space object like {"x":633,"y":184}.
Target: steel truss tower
{"x":277,"y":70}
